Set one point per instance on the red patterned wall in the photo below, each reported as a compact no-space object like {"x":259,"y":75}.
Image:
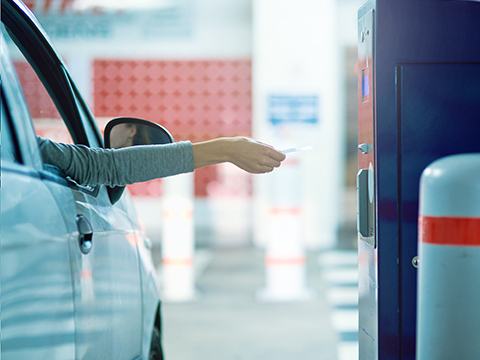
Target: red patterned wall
{"x":46,"y":119}
{"x":194,"y":100}
{"x":38,"y":101}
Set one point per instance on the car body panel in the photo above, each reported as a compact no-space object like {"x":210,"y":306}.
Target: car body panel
{"x":107,"y":287}
{"x":37,"y":293}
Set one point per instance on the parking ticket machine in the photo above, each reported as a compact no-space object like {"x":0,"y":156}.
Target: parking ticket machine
{"x":418,"y":100}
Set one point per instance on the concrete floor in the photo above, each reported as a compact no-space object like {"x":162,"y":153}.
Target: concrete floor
{"x":227,"y":322}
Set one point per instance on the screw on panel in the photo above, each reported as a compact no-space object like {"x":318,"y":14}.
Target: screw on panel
{"x":415,"y":262}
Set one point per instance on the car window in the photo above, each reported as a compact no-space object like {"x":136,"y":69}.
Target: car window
{"x":47,"y":121}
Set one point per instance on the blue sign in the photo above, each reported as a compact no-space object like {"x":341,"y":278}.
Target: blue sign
{"x":293,"y":109}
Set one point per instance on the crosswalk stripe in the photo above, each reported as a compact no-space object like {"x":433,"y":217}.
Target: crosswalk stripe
{"x":340,"y":274}
{"x":339,"y":296}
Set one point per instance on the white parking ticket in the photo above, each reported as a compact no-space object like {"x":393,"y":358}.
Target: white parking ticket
{"x":301,"y":148}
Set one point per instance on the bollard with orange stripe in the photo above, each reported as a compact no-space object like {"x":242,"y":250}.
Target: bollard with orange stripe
{"x":178,"y":242}
{"x":285,"y":261}
{"x":448,"y":308}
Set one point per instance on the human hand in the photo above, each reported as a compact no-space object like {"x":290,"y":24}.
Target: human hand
{"x":253,"y":156}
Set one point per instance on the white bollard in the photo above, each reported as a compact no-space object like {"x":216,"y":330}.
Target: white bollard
{"x":178,"y":244}
{"x":448,"y":306}
{"x":285,"y":262}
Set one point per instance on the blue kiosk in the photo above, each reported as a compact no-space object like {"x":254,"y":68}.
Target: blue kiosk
{"x":418,"y":100}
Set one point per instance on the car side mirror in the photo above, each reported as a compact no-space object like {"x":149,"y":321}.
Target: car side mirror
{"x":127,"y":131}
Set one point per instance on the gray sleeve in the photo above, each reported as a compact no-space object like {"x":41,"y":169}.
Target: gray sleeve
{"x":116,"y":167}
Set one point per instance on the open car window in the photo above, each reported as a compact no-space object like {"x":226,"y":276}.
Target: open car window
{"x":48,"y":110}
{"x":47,"y":121}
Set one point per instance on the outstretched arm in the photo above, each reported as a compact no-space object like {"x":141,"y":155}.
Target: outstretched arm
{"x":250,"y":155}
{"x":114,"y":167}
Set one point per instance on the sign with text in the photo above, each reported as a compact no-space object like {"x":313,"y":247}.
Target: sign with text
{"x":293,"y":109}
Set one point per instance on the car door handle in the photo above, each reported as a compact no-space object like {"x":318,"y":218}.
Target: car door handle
{"x":85,"y":234}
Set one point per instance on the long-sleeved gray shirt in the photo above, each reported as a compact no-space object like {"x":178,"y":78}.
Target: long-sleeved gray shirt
{"x":116,"y":167}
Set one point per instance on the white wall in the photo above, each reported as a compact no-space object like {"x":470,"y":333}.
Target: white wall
{"x":296,"y":52}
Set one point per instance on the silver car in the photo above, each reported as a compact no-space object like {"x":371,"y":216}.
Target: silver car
{"x":77,"y":277}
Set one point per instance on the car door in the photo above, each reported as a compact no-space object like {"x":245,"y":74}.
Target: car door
{"x":37,"y":290}
{"x":107,"y":282}
{"x":101,"y":243}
